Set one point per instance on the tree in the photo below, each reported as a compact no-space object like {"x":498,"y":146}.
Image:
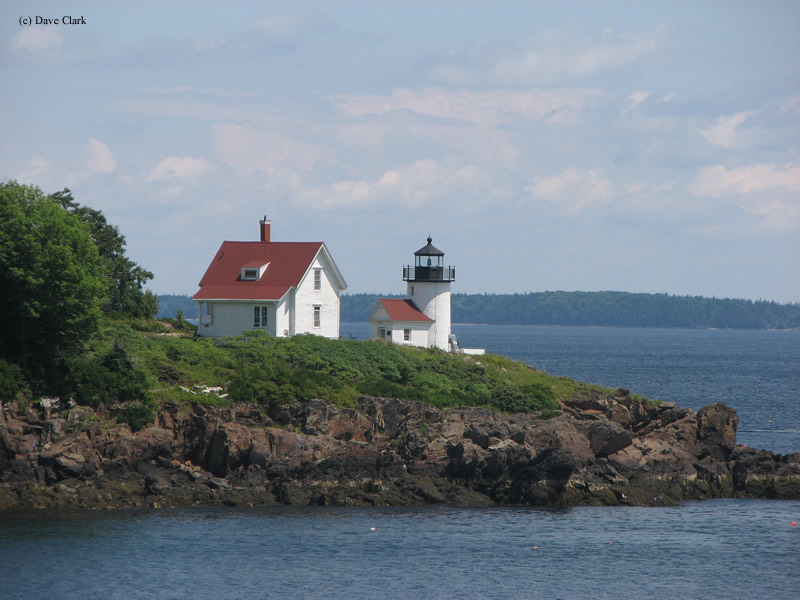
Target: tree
{"x":52,"y":282}
{"x":125,"y":277}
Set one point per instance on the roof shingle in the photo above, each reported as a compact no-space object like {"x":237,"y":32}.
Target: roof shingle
{"x":403,"y":310}
{"x":288,"y":263}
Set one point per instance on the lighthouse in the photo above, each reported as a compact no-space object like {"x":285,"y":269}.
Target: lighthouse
{"x":423,"y":317}
{"x":428,"y":287}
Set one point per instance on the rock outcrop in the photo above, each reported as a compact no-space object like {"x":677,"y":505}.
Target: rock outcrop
{"x":599,"y":451}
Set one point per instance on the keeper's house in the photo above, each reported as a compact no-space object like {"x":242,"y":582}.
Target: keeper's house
{"x":283,"y":288}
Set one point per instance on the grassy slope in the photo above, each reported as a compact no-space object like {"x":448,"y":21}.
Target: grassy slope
{"x":258,"y":368}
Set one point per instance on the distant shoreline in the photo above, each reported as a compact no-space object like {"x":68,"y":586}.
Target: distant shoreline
{"x":577,"y":309}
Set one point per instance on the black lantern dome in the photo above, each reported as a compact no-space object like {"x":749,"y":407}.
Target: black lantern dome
{"x":429,"y":265}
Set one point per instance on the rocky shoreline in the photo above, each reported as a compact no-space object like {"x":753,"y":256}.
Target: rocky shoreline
{"x":601,"y":450}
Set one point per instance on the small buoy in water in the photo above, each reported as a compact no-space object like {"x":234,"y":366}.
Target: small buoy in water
{"x":794,"y":524}
{"x":372,"y":529}
{"x":536,"y":547}
{"x":610,"y":543}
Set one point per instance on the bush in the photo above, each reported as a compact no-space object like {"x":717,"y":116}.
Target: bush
{"x":137,"y":415}
{"x":11,"y":381}
{"x":96,"y":382}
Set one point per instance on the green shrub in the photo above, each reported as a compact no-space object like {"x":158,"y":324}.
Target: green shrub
{"x":95,"y":381}
{"x":11,"y":381}
{"x":137,"y":415}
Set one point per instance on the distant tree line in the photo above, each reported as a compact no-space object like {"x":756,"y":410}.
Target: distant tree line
{"x":170,"y":304}
{"x":613,"y":309}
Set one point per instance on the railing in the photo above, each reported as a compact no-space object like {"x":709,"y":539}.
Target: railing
{"x":429,"y":273}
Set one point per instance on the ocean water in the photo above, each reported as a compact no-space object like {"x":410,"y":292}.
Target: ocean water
{"x":715,"y":549}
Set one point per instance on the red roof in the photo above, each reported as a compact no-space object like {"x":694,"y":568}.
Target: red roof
{"x":288,"y":263}
{"x":403,"y":310}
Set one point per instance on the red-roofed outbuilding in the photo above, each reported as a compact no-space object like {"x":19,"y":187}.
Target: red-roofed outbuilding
{"x":284,"y":288}
{"x":423,"y":317}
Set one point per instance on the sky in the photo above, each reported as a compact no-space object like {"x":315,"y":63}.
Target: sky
{"x":631,"y":146}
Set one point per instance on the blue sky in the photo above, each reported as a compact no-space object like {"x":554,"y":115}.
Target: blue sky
{"x":634,"y":146}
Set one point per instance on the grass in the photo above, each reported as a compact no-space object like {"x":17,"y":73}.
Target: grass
{"x":255,"y":367}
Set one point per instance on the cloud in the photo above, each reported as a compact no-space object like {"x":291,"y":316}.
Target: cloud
{"x":282,"y":29}
{"x":768,"y":191}
{"x":487,"y":109}
{"x":39,"y":39}
{"x":413,"y":186}
{"x":717,"y":181}
{"x":639,"y":96}
{"x":250,"y":151}
{"x":179,"y":167}
{"x":724,"y":132}
{"x":545,"y":59}
{"x":99,"y":157}
{"x":574,"y":189}
{"x":791,"y":104}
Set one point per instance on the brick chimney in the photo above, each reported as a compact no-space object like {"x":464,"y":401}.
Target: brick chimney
{"x":264,"y":229}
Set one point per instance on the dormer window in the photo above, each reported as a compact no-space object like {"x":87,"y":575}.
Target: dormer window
{"x":253,"y":271}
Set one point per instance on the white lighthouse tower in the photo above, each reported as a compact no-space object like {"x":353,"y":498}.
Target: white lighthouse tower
{"x":422,"y":318}
{"x":428,"y":287}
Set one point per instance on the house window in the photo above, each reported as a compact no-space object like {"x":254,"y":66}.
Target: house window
{"x":406,"y":335}
{"x":382,"y":332}
{"x":259,"y":317}
{"x":317,"y":279}
{"x":316,"y":316}
{"x":250,"y":274}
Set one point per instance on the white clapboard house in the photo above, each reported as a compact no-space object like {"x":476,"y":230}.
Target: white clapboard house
{"x":283,"y":288}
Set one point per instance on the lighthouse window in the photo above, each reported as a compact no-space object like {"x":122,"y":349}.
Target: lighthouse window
{"x":406,"y":335}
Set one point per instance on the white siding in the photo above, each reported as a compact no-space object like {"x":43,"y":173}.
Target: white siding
{"x":395,"y":330}
{"x":234,"y":317}
{"x":327,"y":298}
{"x":433,"y":300}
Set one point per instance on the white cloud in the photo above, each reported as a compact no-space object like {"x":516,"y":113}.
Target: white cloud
{"x":179,"y":167}
{"x":768,"y":191}
{"x":791,"y":104}
{"x":723,"y":133}
{"x":250,"y":151}
{"x":574,"y":189}
{"x":717,"y":181}
{"x":99,"y":157}
{"x":487,"y":109}
{"x":639,"y":96}
{"x":281,"y":29}
{"x":545,"y":59}
{"x":411,"y":186}
{"x":39,"y":39}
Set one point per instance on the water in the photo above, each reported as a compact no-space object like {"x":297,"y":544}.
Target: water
{"x":715,"y":549}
